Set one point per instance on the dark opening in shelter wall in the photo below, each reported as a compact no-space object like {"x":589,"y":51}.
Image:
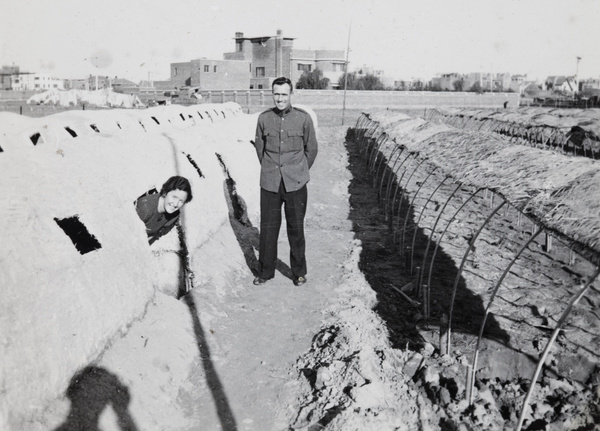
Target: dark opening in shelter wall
{"x":71,"y":132}
{"x":36,"y":138}
{"x":82,"y":239}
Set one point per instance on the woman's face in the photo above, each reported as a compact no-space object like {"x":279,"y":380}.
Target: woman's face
{"x":174,"y":200}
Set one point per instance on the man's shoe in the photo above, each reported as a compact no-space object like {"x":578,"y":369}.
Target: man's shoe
{"x":299,"y":281}
{"x":259,"y":280}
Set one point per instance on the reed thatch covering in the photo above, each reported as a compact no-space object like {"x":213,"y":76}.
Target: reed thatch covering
{"x":559,"y":192}
{"x":579,"y":126}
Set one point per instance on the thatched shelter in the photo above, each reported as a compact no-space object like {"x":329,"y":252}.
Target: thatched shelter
{"x":575,"y":131}
{"x":559,"y":192}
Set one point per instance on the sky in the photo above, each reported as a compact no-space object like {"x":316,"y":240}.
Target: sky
{"x":138,"y":39}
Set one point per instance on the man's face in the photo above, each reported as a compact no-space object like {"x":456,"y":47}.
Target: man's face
{"x":282,"y":96}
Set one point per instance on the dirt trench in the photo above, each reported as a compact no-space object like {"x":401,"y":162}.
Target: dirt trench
{"x":396,"y":256}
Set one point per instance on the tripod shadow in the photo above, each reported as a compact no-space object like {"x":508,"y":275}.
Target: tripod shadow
{"x":91,"y":390}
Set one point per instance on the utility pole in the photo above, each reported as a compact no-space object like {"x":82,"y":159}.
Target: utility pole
{"x":577,"y":76}
{"x":279,"y":53}
{"x":346,"y":74}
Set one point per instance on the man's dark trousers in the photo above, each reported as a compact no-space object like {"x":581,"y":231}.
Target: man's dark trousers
{"x":270,"y":222}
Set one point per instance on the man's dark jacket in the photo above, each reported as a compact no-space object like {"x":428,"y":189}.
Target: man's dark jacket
{"x":286,"y":145}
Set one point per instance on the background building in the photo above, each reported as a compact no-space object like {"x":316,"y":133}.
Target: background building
{"x":76,"y":84}
{"x":256,"y":62}
{"x":35,"y":82}
{"x":566,"y":84}
{"x":121,"y":85}
{"x":448,"y":82}
{"x":211,"y":74}
{"x":330,"y":62}
{"x":274,"y":56}
{"x":590,"y":84}
{"x":268,"y":56}
{"x":5,"y":74}
{"x":97,"y":82}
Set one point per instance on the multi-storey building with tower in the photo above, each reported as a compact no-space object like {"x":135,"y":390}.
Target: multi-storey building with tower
{"x":256,"y":62}
{"x":274,"y":56}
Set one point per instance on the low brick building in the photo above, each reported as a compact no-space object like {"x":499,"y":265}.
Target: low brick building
{"x":211,"y":74}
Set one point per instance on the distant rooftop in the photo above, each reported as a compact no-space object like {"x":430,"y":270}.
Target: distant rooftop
{"x":240,"y":36}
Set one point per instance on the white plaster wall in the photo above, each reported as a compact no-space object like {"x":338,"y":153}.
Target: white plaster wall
{"x":59,"y":309}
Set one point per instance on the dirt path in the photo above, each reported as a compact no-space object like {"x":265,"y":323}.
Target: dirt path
{"x":258,"y":333}
{"x":224,"y":356}
{"x":248,"y":337}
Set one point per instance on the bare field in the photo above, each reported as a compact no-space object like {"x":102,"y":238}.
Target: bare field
{"x":21,"y":107}
{"x":326,"y":101}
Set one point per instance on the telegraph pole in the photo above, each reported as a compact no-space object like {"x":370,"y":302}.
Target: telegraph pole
{"x":346,"y":73}
{"x":577,"y":76}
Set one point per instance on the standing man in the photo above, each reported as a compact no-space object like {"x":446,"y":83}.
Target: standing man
{"x":286,"y":145}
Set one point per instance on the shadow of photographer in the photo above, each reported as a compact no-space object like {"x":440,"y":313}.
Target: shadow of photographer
{"x":91,"y":391}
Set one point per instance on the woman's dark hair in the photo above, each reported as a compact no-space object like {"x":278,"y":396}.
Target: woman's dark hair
{"x":282,"y":80}
{"x":177,"y":183}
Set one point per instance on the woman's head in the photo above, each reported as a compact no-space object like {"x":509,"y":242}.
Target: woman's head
{"x":176,"y":192}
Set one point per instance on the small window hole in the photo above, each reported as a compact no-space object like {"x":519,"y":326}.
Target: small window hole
{"x":94,"y":128}
{"x":142,"y":124}
{"x":83,"y":241}
{"x":71,"y":132}
{"x":35,"y":138}
{"x":155,"y":120}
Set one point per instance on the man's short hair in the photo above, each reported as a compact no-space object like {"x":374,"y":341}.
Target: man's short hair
{"x":282,"y":80}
